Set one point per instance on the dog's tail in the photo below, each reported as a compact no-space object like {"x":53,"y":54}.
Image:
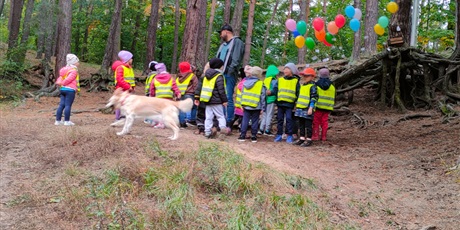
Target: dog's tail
{"x":185,"y":105}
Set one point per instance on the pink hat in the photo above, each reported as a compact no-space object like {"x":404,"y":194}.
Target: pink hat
{"x":125,"y":56}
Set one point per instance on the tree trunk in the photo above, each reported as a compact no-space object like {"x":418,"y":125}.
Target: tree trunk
{"x":64,"y":34}
{"x":200,"y":58}
{"x":237,"y":17}
{"x":302,"y":16}
{"x":227,"y":11}
{"x":25,"y":31}
{"x":267,"y":32}
{"x":50,"y":28}
{"x":402,"y":20}
{"x":456,"y":53}
{"x":383,"y":83}
{"x":77,"y":28}
{"x":136,"y":31}
{"x":247,"y":48}
{"x":107,"y":60}
{"x":151,"y":34}
{"x":176,"y":36}
{"x":210,"y":29}
{"x":117,"y":37}
{"x":397,"y":91}
{"x":192,"y":25}
{"x":325,"y":7}
{"x":14,"y":24}
{"x":286,"y":33}
{"x":357,"y":36}
{"x":2,"y":4}
{"x":84,"y":48}
{"x":371,"y":18}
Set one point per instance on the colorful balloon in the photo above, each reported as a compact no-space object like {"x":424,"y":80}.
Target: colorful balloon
{"x":358,"y":14}
{"x":383,"y":21}
{"x":350,"y":11}
{"x":379,"y":30}
{"x":290,"y":25}
{"x":318,"y":24}
{"x":299,"y":41}
{"x":320,"y":35}
{"x":330,"y":38}
{"x":327,"y":43}
{"x":301,"y":27}
{"x":332,"y":28}
{"x":340,"y":20}
{"x":295,"y":33}
{"x":310,"y":43}
{"x":392,"y":7}
{"x":355,"y":24}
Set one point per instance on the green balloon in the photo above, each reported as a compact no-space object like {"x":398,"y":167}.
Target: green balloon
{"x":330,"y":38}
{"x":383,"y":21}
{"x":301,"y":27}
{"x":310,"y":43}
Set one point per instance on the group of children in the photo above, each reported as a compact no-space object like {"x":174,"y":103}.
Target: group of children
{"x":303,"y":105}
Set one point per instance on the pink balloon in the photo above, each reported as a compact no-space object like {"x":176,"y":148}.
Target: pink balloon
{"x":332,"y":28}
{"x":291,"y":25}
{"x":339,"y":20}
{"x":318,"y":24}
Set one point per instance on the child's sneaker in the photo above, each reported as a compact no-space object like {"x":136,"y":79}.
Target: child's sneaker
{"x":284,"y":136}
{"x":253,"y":139}
{"x":68,"y":123}
{"x":260,"y":132}
{"x":227,"y":131}
{"x":289,"y":139}
{"x":159,"y":126}
{"x":306,"y":143}
{"x":241,"y":138}
{"x":208,"y":136}
{"x":299,"y":142}
{"x":268,"y":133}
{"x":278,"y":138}
{"x":183,"y":126}
{"x":58,"y":123}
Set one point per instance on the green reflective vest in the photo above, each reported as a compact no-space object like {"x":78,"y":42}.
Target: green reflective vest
{"x":251,"y":97}
{"x":183,"y":86}
{"x":128,"y":75}
{"x":304,"y":96}
{"x":163,"y":90}
{"x":286,"y":89}
{"x":326,"y":98}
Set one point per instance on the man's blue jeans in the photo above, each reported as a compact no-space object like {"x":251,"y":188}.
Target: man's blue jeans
{"x":230,"y":82}
{"x":182,"y":115}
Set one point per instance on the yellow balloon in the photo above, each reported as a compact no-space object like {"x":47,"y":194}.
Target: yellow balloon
{"x":392,"y":7}
{"x":299,"y":41}
{"x":379,"y":29}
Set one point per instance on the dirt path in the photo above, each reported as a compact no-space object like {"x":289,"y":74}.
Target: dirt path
{"x":387,"y":176}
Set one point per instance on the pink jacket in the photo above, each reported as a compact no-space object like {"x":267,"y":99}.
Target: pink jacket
{"x":239,"y":111}
{"x":164,"y":78}
{"x":71,"y":80}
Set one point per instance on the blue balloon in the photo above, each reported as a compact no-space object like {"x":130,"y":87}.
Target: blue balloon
{"x":295,"y":33}
{"x":355,"y":24}
{"x":350,"y":11}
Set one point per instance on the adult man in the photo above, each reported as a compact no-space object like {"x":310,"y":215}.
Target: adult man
{"x":231,"y":51}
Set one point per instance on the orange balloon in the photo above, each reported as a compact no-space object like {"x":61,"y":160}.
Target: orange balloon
{"x":332,"y":28}
{"x":320,"y":35}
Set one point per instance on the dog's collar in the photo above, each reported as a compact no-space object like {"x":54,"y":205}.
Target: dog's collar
{"x":124,"y":99}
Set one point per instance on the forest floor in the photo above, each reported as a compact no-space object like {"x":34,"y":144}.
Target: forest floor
{"x":389,"y":174}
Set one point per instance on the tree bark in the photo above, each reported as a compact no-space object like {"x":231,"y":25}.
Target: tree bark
{"x":117,"y":39}
{"x":64,"y":34}
{"x":137,"y":26}
{"x":456,"y":53}
{"x":14,"y":24}
{"x":210,"y":29}
{"x":247,"y":48}
{"x":25,"y":31}
{"x":84,"y":48}
{"x":108,"y":53}
{"x":397,"y":90}
{"x":151,"y":34}
{"x":2,"y":4}
{"x":357,"y":37}
{"x":190,"y":39}
{"x":286,"y":33}
{"x":302,"y":16}
{"x":237,"y":17}
{"x":176,"y":35}
{"x":227,"y":11}
{"x":200,"y":58}
{"x":383,"y":83}
{"x":402,"y":19}
{"x":371,"y":18}
{"x":267,"y":32}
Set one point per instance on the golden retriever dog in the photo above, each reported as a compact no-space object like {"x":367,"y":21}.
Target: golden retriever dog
{"x":133,"y":106}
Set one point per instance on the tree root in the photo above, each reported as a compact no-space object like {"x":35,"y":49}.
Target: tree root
{"x":413,"y":116}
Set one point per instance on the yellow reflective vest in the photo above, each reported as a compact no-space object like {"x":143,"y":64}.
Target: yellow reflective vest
{"x":163,"y":90}
{"x":183,"y":86}
{"x":251,"y":97}
{"x":128,"y":75}
{"x":77,"y":78}
{"x":238,"y":98}
{"x":304,"y":96}
{"x":326,"y":98}
{"x":287,"y":89}
{"x":148,"y":81}
{"x":208,"y":87}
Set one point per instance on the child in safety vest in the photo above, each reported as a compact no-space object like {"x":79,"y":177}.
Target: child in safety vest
{"x":123,"y":74}
{"x":187,"y":82}
{"x":305,"y":106}
{"x":212,"y":94}
{"x":253,"y":102}
{"x":201,"y":108}
{"x":324,"y":106}
{"x":286,"y":90}
{"x":152,"y":73}
{"x":267,"y":115}
{"x":239,"y":88}
{"x":69,"y":82}
{"x":163,"y":86}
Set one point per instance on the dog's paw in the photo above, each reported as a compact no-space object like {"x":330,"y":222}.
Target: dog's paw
{"x":120,"y":133}
{"x":172,"y":138}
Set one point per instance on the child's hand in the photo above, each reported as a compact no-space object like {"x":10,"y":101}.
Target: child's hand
{"x":197,"y":102}
{"x":310,"y":111}
{"x":269,"y":92}
{"x":225,"y":104}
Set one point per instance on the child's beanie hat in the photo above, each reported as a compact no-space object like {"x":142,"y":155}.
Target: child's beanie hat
{"x":71,"y":59}
{"x":256,"y":71}
{"x":293,"y":68}
{"x":184,"y":67}
{"x":324,"y":73}
{"x":247,"y":70}
{"x":125,"y":56}
{"x":215,"y":63}
{"x":160,"y":67}
{"x":308,"y":72}
{"x":272,"y":70}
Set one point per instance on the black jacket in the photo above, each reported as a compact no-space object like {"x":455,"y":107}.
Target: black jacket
{"x":218,"y":94}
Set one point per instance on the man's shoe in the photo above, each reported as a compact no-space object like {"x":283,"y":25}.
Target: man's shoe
{"x":289,"y":139}
{"x":241,"y":138}
{"x":253,"y":139}
{"x":299,"y":142}
{"x":306,"y":143}
{"x":278,"y":138}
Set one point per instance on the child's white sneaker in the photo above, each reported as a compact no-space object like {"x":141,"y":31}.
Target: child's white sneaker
{"x":159,"y":126}
{"x":68,"y":123}
{"x":58,"y":123}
